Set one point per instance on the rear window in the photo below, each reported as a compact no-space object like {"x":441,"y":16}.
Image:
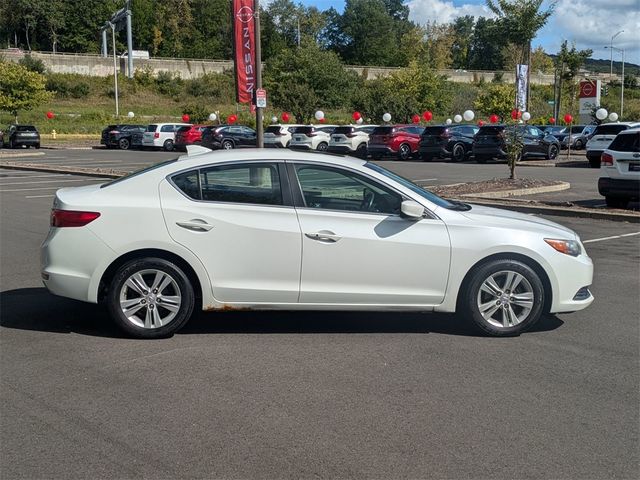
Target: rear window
{"x":26,"y":128}
{"x":273,"y":129}
{"x":626,"y":142}
{"x":152,"y":128}
{"x":491,"y":130}
{"x":434,"y":130}
{"x":343,"y":130}
{"x":609,"y":129}
{"x":184,"y":129}
{"x":304,"y":130}
{"x":383,"y":130}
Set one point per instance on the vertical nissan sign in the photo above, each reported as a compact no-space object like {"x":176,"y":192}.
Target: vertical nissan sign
{"x":244,"y":49}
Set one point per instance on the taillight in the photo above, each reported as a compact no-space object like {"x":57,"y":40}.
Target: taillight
{"x":71,"y":218}
{"x":445,"y":134}
{"x":606,"y":159}
{"x":114,"y":132}
{"x":311,"y":134}
{"x":156,"y":135}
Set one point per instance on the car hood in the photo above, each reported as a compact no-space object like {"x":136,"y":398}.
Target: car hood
{"x":516,"y":220}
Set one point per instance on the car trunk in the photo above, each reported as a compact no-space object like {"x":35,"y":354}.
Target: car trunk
{"x":435,"y":135}
{"x":490,"y":135}
{"x":381,"y":135}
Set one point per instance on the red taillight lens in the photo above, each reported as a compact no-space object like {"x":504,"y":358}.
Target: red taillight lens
{"x":114,"y":132}
{"x":156,"y":135}
{"x":606,"y":159}
{"x":71,"y":218}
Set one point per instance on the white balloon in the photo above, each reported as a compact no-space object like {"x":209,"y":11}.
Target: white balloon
{"x":386,"y":117}
{"x":448,"y":122}
{"x":601,"y":113}
{"x":457,"y":119}
{"x":613,"y":116}
{"x":359,"y":121}
{"x":130,"y":114}
{"x":526,"y":116}
{"x":274,"y":119}
{"x":213,"y":117}
{"x":319,"y":115}
{"x":468,"y":115}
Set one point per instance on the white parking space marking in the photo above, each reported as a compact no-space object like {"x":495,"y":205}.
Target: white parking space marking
{"x":611,"y":238}
{"x":43,"y":181}
{"x":425,"y":179}
{"x":40,"y":188}
{"x":35,"y":176}
{"x":39,"y":196}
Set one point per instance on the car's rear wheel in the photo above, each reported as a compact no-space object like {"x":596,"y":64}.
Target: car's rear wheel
{"x":552,"y":152}
{"x":616,"y":202}
{"x":504,"y":297}
{"x":150,"y":298}
{"x":168,"y":145}
{"x":458,"y":153}
{"x":124,"y":144}
{"x":37,"y":146}
{"x":227,"y":145}
{"x":578,"y":145}
{"x":322,"y":146}
{"x":361,"y":151}
{"x":404,"y":152}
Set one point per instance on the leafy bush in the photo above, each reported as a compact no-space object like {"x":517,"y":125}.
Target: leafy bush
{"x":169,"y":84}
{"x":144,"y":76}
{"x":197,"y":111}
{"x":33,"y":64}
{"x":217,"y":87}
{"x":67,"y":85}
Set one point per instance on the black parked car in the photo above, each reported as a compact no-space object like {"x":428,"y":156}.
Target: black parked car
{"x":227,"y":137}
{"x":123,"y":136}
{"x":447,"y":141}
{"x":491,"y":142}
{"x":20,"y":135}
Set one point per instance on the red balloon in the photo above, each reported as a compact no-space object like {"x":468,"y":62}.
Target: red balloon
{"x":284,"y":117}
{"x":232,"y":118}
{"x":356,"y":116}
{"x":427,"y":116}
{"x":481,"y":123}
{"x":185,"y":117}
{"x":552,"y":121}
{"x":415,"y":119}
{"x":494,"y":118}
{"x":322,"y":120}
{"x":50,"y":114}
{"x":568,"y":118}
{"x":516,"y":114}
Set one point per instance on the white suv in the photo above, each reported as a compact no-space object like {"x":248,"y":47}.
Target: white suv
{"x":161,"y":135}
{"x":602,"y":138}
{"x":619,"y":179}
{"x":312,"y":137}
{"x":351,"y":139}
{"x":278,"y":136}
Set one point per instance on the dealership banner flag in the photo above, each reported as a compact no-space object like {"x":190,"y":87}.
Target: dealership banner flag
{"x":244,"y":49}
{"x":522,"y":78}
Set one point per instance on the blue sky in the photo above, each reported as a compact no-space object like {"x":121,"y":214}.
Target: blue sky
{"x":588,"y":23}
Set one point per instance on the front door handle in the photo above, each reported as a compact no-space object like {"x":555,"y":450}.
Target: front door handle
{"x":196,"y":225}
{"x":325,"y":236}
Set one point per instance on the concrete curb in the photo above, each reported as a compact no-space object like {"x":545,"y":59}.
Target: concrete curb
{"x":20,"y":154}
{"x":88,"y":172}
{"x":520,"y":191}
{"x":64,"y":147}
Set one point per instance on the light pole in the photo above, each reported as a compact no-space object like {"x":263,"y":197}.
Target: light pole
{"x":611,"y":47}
{"x":621,"y":50}
{"x":115,"y":66}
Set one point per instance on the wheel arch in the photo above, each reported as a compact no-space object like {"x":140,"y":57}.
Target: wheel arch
{"x":539,"y":269}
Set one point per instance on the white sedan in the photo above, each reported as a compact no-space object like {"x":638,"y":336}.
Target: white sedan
{"x":264,"y":229}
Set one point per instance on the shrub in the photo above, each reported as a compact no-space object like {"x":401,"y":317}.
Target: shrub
{"x":68,"y":85}
{"x":144,"y":76}
{"x":33,"y":64}
{"x":169,"y":84}
{"x":217,"y":87}
{"x":197,"y":111}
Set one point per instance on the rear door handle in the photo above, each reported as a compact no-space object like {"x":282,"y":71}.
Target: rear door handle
{"x":325,"y":236}
{"x":196,"y":225}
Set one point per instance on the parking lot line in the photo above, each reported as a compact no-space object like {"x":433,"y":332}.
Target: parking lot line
{"x":40,"y":196}
{"x":613,"y":237}
{"x":43,"y":181}
{"x":36,"y":176}
{"x":38,"y":188}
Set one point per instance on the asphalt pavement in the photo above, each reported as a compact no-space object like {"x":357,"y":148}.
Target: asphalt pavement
{"x":322,"y":395}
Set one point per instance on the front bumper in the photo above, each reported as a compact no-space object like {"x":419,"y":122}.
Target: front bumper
{"x":574,"y":277}
{"x":616,"y":187}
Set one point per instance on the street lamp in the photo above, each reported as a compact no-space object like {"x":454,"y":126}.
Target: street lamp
{"x":611,"y":47}
{"x":621,"y":50}
{"x":115,"y":65}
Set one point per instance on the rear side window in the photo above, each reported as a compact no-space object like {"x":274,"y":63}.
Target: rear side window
{"x":257,"y":183}
{"x":436,"y":130}
{"x":629,"y":142}
{"x":304,"y":130}
{"x":273,"y":129}
{"x":490,"y":130}
{"x":188,"y":184}
{"x":343,"y":130}
{"x":383,"y":131}
{"x":167,"y":128}
{"x":152,"y":128}
{"x":609,"y":129}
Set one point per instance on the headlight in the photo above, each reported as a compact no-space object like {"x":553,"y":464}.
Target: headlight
{"x":569,"y":247}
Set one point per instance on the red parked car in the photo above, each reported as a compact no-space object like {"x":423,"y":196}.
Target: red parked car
{"x":188,"y":135}
{"x":399,"y":141}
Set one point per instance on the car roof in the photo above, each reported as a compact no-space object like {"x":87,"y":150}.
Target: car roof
{"x":634,"y":124}
{"x":630,"y":130}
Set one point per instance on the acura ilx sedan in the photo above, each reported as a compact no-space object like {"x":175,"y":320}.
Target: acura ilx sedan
{"x":277,"y":229}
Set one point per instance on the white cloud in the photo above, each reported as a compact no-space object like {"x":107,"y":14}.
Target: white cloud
{"x":442,"y":11}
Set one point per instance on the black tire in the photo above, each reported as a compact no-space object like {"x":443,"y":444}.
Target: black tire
{"x":124,"y":144}
{"x":287,"y":144}
{"x":361,"y":151}
{"x":227,"y":145}
{"x":322,"y":147}
{"x":37,"y":146}
{"x":594,"y":162}
{"x":552,"y":152}
{"x":185,"y":293}
{"x":11,"y":146}
{"x":458,"y":153}
{"x":616,"y":202}
{"x":404,"y":152}
{"x":167,"y":146}
{"x":579,"y":145}
{"x":473,"y":296}
{"x":482,"y":158}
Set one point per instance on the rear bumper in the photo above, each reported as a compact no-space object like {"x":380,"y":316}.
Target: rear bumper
{"x":497,"y":152}
{"x":594,"y":154}
{"x":274,"y":144}
{"x":614,"y":187}
{"x":340,"y":149}
{"x":434,"y":151}
{"x":301,"y":146}
{"x":18,"y":142}
{"x":380,"y":151}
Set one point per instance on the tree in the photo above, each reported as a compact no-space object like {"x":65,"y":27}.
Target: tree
{"x":462,"y":35}
{"x":568,"y":62}
{"x":540,"y":61}
{"x":485,"y":45}
{"x":496,"y":98}
{"x":440,"y":39}
{"x":21,"y":89}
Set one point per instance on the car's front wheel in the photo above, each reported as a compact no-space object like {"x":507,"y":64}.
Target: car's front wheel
{"x":124,"y":144}
{"x":150,"y":298}
{"x":458,"y":154}
{"x":404,"y":152}
{"x":504,"y":297}
{"x":227,"y":145}
{"x":552,"y":152}
{"x":322,"y":147}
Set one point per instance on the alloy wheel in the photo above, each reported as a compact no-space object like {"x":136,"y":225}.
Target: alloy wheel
{"x":505,"y":299}
{"x":404,"y":152}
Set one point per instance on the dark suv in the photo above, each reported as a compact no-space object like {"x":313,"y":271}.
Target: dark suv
{"x":228,"y":137}
{"x":399,"y":141}
{"x":447,"y":141}
{"x":122,"y":136}
{"x":20,"y":135}
{"x":491,"y":142}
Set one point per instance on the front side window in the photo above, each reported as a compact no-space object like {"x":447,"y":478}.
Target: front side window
{"x":257,"y":183}
{"x":334,"y":189}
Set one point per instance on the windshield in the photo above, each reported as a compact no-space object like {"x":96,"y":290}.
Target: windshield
{"x":138,"y":172}
{"x":432,"y":197}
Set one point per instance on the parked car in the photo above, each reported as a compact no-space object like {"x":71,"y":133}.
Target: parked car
{"x":577,"y":139}
{"x":279,"y":136}
{"x":161,"y":135}
{"x":189,"y":135}
{"x":619,"y":180}
{"x":263,"y":229}
{"x":311,"y":137}
{"x":351,"y":139}
{"x":397,"y":141}
{"x":15,"y":136}
{"x":447,"y":141}
{"x":123,"y":136}
{"x":491,"y":142}
{"x":602,"y":138}
{"x":228,"y":137}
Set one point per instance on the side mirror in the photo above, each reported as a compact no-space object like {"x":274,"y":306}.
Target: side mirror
{"x":411,"y":209}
